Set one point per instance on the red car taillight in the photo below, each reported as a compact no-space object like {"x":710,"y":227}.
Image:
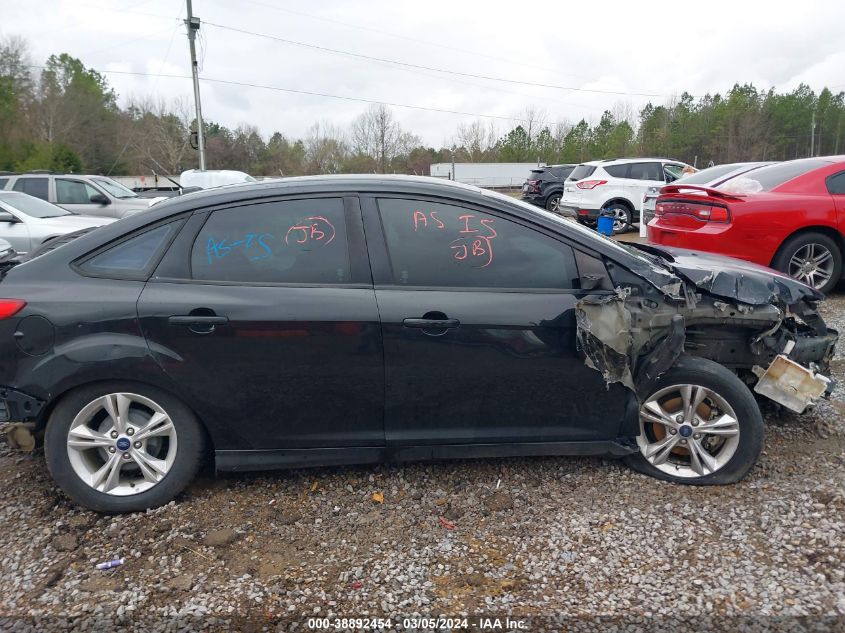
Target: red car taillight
{"x":590,"y":184}
{"x":700,"y":210}
{"x":10,"y":307}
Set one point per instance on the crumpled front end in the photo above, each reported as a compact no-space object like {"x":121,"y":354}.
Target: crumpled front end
{"x":765,"y":329}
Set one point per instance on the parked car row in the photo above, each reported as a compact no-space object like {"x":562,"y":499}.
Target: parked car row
{"x":615,"y":186}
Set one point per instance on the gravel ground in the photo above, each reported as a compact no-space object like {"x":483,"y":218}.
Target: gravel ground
{"x":582,"y":540}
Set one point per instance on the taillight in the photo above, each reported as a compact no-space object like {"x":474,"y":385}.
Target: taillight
{"x":590,"y":184}
{"x":702,"y":211}
{"x":10,"y":307}
{"x":534,"y":185}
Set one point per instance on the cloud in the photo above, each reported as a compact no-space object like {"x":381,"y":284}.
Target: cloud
{"x":619,"y":46}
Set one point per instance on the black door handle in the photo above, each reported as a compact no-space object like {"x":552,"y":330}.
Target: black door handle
{"x":431,"y":324}
{"x":198,"y":323}
{"x":188,"y":319}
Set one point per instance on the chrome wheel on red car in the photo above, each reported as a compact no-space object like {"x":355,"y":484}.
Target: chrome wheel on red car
{"x":813,"y":264}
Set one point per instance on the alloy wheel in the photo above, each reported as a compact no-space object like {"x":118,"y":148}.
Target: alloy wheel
{"x":555,"y":205}
{"x":620,"y":219}
{"x":688,"y":431}
{"x":812,"y":264}
{"x":122,"y":444}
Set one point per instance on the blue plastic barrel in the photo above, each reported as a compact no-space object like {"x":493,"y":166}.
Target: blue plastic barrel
{"x":605,"y":226}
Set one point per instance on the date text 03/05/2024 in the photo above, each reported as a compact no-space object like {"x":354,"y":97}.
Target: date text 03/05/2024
{"x":478,"y":623}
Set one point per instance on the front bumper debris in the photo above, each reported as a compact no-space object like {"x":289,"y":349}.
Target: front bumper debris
{"x":790,"y":384}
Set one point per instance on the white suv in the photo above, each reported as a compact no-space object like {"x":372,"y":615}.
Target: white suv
{"x":616,"y":185}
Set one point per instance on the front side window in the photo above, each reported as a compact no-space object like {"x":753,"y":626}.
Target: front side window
{"x":73,"y":192}
{"x":442,"y":245}
{"x":292,"y":241}
{"x":646,"y":171}
{"x":33,"y":186}
{"x":133,"y":257}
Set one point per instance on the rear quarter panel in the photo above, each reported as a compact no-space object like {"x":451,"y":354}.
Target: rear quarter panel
{"x":762,"y":222}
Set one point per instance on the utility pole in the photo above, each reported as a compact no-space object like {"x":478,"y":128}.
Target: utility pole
{"x":193,"y":24}
{"x":813,"y":134}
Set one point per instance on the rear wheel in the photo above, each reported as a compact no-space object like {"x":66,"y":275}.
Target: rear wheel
{"x":553,"y":203}
{"x":622,"y":217}
{"x":122,"y":447}
{"x":700,"y":425}
{"x":812,"y":258}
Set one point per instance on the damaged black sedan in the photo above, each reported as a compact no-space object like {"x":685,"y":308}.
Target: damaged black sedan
{"x":353,"y":319}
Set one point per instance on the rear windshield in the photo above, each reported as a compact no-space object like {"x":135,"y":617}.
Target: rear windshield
{"x":582,"y":171}
{"x":708,"y":175}
{"x":775,"y":175}
{"x":536,"y":174}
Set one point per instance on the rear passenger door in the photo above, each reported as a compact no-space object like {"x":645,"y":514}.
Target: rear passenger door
{"x":836,"y":188}
{"x":38,"y":186}
{"x":265,"y":316}
{"x":478,"y":321}
{"x":641,"y":176}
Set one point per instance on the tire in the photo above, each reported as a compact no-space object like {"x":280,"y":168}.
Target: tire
{"x":731,"y":457}
{"x":171,"y":454}
{"x":799,"y":250}
{"x":553,"y":203}
{"x":624,"y":217}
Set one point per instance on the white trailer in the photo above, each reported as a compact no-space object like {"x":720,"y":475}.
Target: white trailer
{"x":485,"y":174}
{"x":146,"y":183}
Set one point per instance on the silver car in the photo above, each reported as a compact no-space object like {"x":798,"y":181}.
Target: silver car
{"x":88,"y":195}
{"x":27,"y":222}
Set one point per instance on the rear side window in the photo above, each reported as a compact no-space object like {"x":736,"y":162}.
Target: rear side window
{"x":775,"y":175}
{"x":617,"y":171}
{"x":582,"y":171}
{"x":646,"y":171}
{"x":292,"y":241}
{"x":132,"y":258}
{"x":442,"y":245}
{"x":836,"y":183}
{"x":73,"y":192}
{"x":33,"y":186}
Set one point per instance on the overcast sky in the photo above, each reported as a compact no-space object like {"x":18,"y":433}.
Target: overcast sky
{"x":604,"y":46}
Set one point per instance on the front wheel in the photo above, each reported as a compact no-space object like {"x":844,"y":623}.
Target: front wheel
{"x":700,"y":425}
{"x":122,"y":447}
{"x":813,"y":258}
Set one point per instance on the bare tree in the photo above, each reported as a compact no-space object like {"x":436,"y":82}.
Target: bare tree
{"x":474,"y":139}
{"x":378,"y":135}
{"x":326,"y":149}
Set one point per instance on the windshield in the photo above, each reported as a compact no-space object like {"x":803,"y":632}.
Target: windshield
{"x":32,"y":206}
{"x":115,"y":188}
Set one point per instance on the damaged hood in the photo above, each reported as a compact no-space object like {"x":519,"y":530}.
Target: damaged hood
{"x":730,"y":278}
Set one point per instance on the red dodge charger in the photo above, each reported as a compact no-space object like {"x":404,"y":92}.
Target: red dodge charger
{"x":790,"y":216}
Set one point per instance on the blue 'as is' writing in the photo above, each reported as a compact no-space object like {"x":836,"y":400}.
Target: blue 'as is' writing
{"x":255,"y":242}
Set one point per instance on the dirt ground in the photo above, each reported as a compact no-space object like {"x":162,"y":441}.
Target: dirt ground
{"x":553,"y":543}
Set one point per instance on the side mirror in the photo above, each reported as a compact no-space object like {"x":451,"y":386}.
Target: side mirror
{"x":5,"y":216}
{"x":99,"y":198}
{"x":591,"y":281}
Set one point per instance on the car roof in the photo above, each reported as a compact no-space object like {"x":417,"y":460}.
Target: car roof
{"x":616,"y":161}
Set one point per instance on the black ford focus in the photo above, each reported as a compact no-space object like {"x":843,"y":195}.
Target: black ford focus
{"x":354,"y":319}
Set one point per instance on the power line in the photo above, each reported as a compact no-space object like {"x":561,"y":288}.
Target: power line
{"x":316,"y":94}
{"x":407,"y":38}
{"x":431,"y":68}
